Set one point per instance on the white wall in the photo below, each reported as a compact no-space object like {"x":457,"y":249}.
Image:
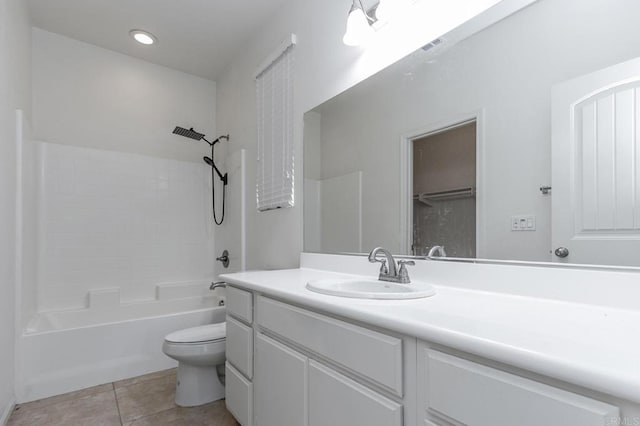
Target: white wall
{"x":324,"y":67}
{"x":231,"y":235}
{"x":508,"y":70}
{"x":88,"y":96}
{"x":15,"y":49}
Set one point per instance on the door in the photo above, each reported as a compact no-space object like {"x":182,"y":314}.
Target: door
{"x":444,"y":191}
{"x":595,"y":160}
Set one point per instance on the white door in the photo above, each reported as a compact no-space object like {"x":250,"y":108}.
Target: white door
{"x":595,"y":161}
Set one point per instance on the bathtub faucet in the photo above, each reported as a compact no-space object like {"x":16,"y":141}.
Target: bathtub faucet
{"x":215,"y":285}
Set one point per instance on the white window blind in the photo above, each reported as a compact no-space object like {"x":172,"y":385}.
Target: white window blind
{"x":274,"y":90}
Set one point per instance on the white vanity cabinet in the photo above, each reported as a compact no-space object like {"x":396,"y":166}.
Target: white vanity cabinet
{"x":313,"y":369}
{"x":292,"y":366}
{"x":317,"y":370}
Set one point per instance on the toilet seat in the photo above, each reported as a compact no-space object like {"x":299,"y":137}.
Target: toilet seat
{"x":198,"y":335}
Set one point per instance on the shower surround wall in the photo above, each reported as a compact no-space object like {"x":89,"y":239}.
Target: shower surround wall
{"x":122,"y":203}
{"x":120,"y":221}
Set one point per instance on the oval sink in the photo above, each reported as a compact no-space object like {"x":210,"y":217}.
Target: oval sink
{"x":371,"y":289}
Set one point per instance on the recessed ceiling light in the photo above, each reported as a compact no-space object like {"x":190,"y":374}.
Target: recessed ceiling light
{"x":143,"y":37}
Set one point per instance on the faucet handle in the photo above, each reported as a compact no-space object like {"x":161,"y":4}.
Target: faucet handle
{"x":383,"y":266}
{"x":403,"y":274}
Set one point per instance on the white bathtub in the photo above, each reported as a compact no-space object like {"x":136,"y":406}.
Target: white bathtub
{"x":64,"y":351}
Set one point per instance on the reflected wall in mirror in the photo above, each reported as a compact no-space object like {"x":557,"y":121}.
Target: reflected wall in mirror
{"x":546,"y":110}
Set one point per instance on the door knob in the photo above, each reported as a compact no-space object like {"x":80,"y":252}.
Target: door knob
{"x":562,"y":252}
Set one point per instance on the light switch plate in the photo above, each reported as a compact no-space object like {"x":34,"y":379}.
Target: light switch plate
{"x":523,"y":223}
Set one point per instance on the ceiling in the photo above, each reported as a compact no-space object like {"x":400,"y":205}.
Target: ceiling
{"x":199,"y":37}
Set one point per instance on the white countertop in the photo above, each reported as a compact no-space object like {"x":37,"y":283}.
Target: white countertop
{"x":597,"y":347}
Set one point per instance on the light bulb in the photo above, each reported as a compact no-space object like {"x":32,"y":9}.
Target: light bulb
{"x":358,"y":29}
{"x":143,"y":37}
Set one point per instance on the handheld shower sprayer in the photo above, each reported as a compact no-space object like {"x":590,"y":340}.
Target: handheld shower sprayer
{"x":192,"y":134}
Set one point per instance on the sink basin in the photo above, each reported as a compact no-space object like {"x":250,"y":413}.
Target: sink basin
{"x":371,"y":289}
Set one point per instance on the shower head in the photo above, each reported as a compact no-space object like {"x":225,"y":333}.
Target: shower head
{"x":190,"y":133}
{"x":208,"y":160}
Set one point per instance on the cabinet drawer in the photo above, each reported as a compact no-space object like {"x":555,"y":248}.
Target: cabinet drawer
{"x":337,"y":400}
{"x":375,"y":356}
{"x":239,"y":304}
{"x":239,"y":396}
{"x":240,"y":346}
{"x":475,"y":394}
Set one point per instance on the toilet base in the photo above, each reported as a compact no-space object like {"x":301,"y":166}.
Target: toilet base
{"x":197,"y":385}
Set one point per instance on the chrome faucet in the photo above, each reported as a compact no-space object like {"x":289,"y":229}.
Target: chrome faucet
{"x":389,"y":270}
{"x":218,"y":284}
{"x":437,"y":251}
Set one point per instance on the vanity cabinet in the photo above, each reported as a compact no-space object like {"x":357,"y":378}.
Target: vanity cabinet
{"x":338,"y":373}
{"x":292,"y":366}
{"x":312,"y":369}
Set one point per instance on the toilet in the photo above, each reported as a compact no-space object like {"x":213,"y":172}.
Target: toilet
{"x":199,"y":351}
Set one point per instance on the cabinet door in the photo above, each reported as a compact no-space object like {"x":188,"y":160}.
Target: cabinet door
{"x":280,"y":383}
{"x":337,"y":400}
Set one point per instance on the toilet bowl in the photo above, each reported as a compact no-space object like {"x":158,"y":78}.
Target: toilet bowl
{"x":198,"y":350}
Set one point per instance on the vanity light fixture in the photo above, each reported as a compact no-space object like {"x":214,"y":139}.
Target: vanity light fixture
{"x":359,"y":29}
{"x":143,"y":37}
{"x":389,"y":9}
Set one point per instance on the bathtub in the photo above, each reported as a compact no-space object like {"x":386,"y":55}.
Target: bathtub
{"x":64,"y":351}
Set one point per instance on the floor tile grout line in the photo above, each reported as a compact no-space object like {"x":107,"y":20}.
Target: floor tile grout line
{"x":115,"y":395}
{"x":41,"y":404}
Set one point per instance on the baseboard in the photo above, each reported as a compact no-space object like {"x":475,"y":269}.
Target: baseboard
{"x":71,"y":380}
{"x":7,"y":411}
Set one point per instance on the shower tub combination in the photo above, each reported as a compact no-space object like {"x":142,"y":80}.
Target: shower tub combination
{"x":68,"y":350}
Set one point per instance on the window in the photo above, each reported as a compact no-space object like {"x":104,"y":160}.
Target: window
{"x":274,"y":94}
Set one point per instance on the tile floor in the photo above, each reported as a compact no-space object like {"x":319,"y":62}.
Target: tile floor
{"x":140,"y":401}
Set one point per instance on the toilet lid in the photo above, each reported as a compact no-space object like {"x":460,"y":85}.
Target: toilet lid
{"x":204,"y":333}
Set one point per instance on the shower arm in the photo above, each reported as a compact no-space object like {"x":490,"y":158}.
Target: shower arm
{"x":216,"y":141}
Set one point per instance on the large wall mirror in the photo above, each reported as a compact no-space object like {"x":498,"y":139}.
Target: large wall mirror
{"x":520,"y":142}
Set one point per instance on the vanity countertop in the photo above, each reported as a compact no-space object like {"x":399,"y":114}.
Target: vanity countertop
{"x":587,"y":345}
